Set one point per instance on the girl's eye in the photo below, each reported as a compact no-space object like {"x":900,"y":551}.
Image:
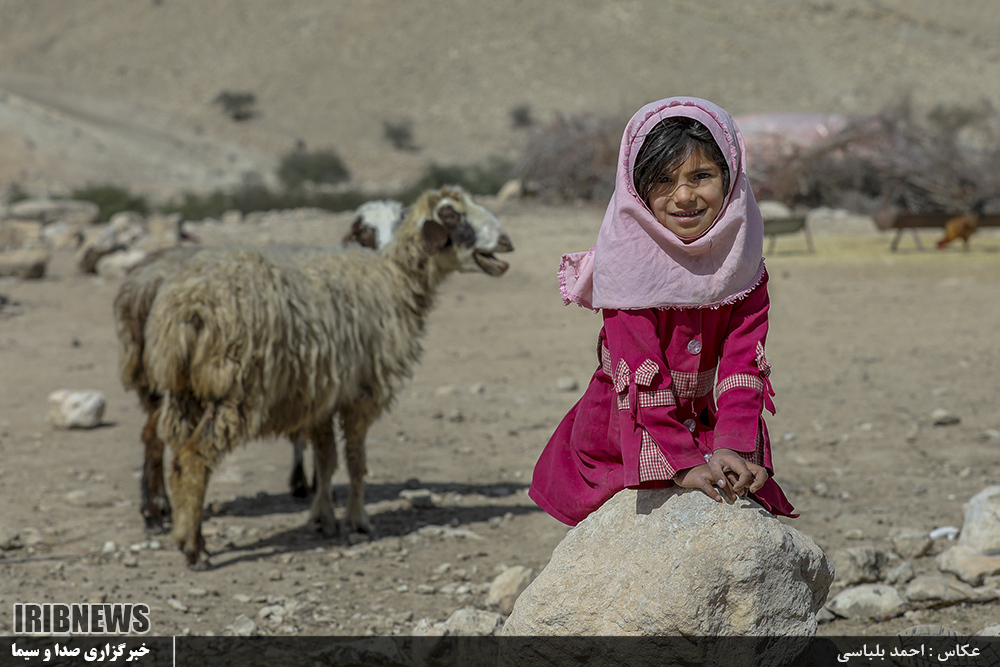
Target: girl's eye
{"x":665,"y":179}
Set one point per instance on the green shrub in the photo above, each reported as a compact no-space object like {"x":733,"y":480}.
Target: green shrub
{"x":520,"y":116}
{"x":238,"y":106}
{"x":111,"y":199}
{"x":16,"y":193}
{"x":298,"y":167}
{"x":479,"y":179}
{"x":400,"y":135}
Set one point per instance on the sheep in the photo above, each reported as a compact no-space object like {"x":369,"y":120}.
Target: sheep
{"x":372,"y":227}
{"x":245,"y":343}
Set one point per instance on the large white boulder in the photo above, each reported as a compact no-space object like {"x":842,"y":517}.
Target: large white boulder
{"x":672,"y":562}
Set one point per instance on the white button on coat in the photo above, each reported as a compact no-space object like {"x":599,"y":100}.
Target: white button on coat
{"x":694,"y":347}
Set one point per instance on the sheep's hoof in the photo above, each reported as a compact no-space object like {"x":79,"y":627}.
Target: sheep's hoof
{"x":327,"y":529}
{"x":155,"y":525}
{"x":298,"y":485}
{"x":197,"y":557}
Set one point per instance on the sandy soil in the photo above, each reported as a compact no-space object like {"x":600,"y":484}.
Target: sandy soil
{"x":865,"y":344}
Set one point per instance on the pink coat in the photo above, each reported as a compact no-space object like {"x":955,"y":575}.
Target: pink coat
{"x":673,"y":385}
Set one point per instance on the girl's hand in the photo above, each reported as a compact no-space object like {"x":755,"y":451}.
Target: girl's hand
{"x":726,"y":470}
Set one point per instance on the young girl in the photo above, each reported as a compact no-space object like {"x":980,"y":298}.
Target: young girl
{"x":678,"y":276}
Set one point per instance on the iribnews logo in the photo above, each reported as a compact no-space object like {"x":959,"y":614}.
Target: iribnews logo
{"x":55,"y":618}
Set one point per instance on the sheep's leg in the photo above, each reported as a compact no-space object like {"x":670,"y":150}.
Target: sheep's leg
{"x":356,"y":423}
{"x":189,"y":477}
{"x":297,"y":482}
{"x":321,"y":516}
{"x":155,"y":504}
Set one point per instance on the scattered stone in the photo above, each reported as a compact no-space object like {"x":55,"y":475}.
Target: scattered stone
{"x":10,"y":539}
{"x":866,"y":601}
{"x":174,"y":603}
{"x":477,"y":389}
{"x":508,"y":586}
{"x":197,"y":592}
{"x":73,"y":212}
{"x":130,"y":560}
{"x":655,"y":555}
{"x":857,"y":565}
{"x":981,"y":526}
{"x":938,"y":587}
{"x":567,"y":384}
{"x":989,"y":631}
{"x":425,"y":589}
{"x":117,"y":264}
{"x":418,"y":498}
{"x":900,"y":574}
{"x":942,"y":417}
{"x":970,"y":565}
{"x":244,"y":626}
{"x":109,"y":548}
{"x":122,"y":231}
{"x":275,"y":575}
{"x":824,"y":615}
{"x":24,"y":263}
{"x":76,"y":409}
{"x":910,"y":542}
{"x":469,"y":622}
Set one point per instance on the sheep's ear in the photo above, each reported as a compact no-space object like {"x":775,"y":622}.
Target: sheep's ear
{"x":361,"y":234}
{"x":435,"y":236}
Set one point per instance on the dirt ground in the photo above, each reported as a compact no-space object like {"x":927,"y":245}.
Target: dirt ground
{"x":865,"y":344}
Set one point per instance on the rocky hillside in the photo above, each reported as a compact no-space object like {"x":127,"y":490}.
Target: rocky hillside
{"x":112,"y":91}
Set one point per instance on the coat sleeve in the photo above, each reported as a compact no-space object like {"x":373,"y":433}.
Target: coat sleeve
{"x":744,"y":388}
{"x":646,"y":405}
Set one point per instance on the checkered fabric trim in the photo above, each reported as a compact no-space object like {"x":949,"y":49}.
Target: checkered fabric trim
{"x":756,"y":456}
{"x":692,"y":385}
{"x":747,"y":380}
{"x":652,"y":463}
{"x":765,"y":368}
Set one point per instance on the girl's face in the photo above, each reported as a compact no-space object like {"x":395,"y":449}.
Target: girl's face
{"x":688,"y":199}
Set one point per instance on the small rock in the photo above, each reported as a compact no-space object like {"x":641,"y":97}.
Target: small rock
{"x":177,"y":604}
{"x":474,"y":623}
{"x":567,"y":384}
{"x":10,"y":539}
{"x":900,"y":574}
{"x":947,"y":532}
{"x":857,"y":565}
{"x":970,"y":565}
{"x":866,"y":601}
{"x":456,"y":416}
{"x":197,"y":592}
{"x":508,"y":586}
{"x":418,"y":498}
{"x":24,"y":263}
{"x":942,"y":417}
{"x":76,"y":409}
{"x":109,"y":547}
{"x":824,"y":615}
{"x":989,"y":631}
{"x":477,"y":389}
{"x":243,"y":626}
{"x":130,"y":560}
{"x":910,"y":542}
{"x":938,"y":587}
{"x":425,"y":589}
{"x":275,"y":575}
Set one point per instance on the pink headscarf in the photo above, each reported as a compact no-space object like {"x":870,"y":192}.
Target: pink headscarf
{"x":639,"y":263}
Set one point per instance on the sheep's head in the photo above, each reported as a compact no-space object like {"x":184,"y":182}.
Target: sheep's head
{"x":457,"y":226}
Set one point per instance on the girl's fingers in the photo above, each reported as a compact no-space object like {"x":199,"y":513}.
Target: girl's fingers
{"x":759,"y":479}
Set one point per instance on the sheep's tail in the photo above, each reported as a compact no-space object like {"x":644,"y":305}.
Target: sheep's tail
{"x":187,"y":351}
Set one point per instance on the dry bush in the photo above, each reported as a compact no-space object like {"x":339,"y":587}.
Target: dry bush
{"x":571,"y":159}
{"x":896,"y":160}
